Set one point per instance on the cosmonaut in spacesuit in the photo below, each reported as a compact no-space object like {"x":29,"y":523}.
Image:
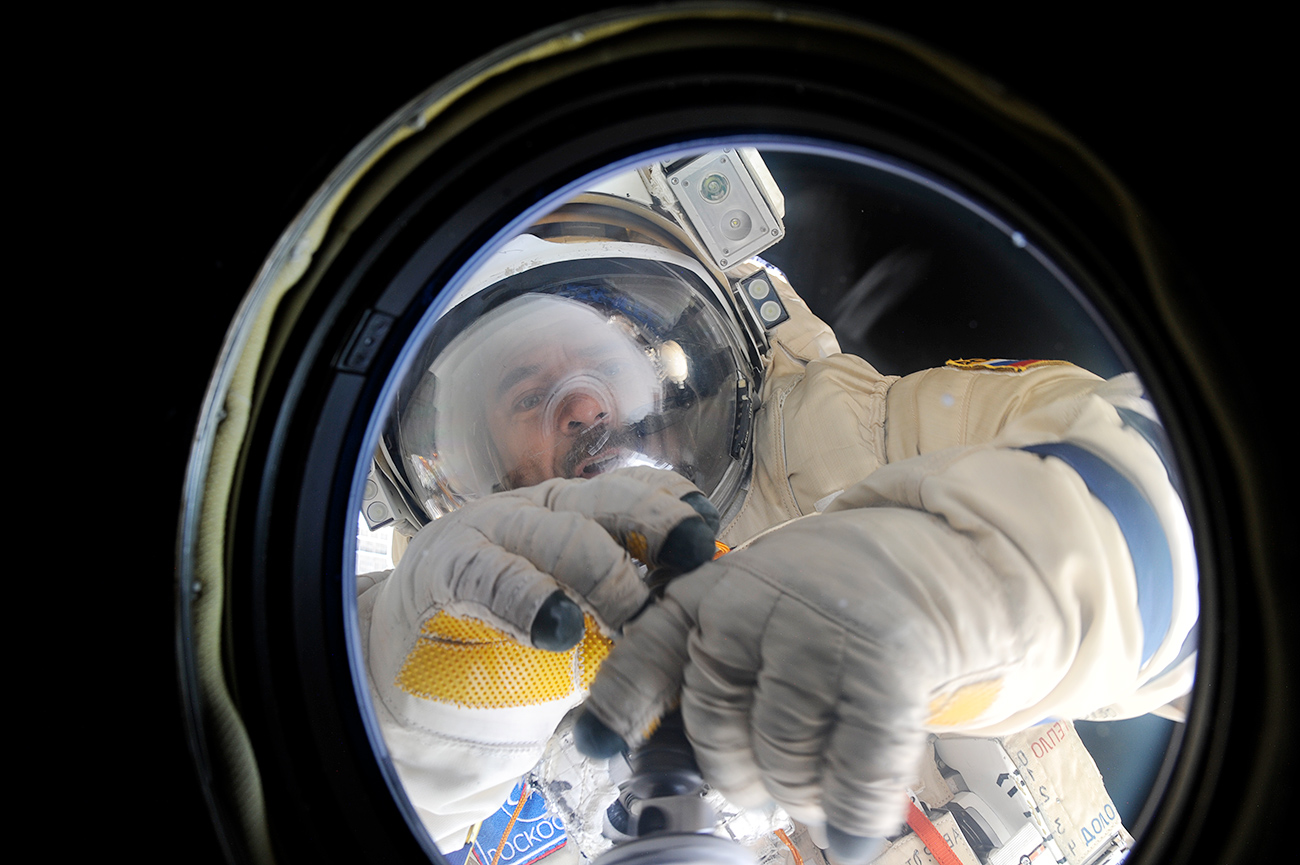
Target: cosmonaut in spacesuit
{"x":968,"y":549}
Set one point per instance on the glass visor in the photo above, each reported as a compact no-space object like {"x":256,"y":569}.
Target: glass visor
{"x":571,"y":370}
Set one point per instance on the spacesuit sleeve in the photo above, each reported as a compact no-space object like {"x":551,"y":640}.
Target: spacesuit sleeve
{"x":1054,"y":474}
{"x":465,"y":693}
{"x":455,"y":731}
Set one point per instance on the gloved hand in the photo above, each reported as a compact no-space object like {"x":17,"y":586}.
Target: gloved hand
{"x":525,"y":560}
{"x":465,"y":710}
{"x":809,"y":665}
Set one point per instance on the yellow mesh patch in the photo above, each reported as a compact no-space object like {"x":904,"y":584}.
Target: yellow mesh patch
{"x":591,"y":651}
{"x":471,"y":664}
{"x":637,"y":546}
{"x":964,"y":704}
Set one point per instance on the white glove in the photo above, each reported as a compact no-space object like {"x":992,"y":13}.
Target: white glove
{"x":519,"y":560}
{"x":526,"y":562}
{"x":809,"y":664}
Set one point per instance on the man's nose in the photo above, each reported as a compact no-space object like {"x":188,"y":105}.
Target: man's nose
{"x":580,"y":411}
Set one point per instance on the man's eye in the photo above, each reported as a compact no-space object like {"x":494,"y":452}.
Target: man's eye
{"x":528,"y":401}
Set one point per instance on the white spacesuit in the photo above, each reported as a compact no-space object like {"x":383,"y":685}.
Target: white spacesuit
{"x":969,"y":549}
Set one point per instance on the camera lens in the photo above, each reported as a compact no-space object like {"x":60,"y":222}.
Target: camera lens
{"x":736,"y":225}
{"x":714,"y":188}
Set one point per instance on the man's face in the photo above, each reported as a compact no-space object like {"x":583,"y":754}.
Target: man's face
{"x":563,"y":408}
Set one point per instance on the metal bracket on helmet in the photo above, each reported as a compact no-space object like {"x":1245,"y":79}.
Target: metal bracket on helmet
{"x":746,"y":404}
{"x":723,"y":197}
{"x":386,"y":501}
{"x":731,"y":208}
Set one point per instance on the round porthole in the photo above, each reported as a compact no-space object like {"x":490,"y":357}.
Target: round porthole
{"x":929,"y":220}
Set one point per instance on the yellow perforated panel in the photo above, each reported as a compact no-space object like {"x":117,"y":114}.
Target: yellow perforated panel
{"x":469,"y":663}
{"x":591,"y":651}
{"x":638,"y":546}
{"x":472,"y":664}
{"x":652,"y":726}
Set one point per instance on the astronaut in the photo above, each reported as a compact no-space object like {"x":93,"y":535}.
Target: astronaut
{"x":637,"y":472}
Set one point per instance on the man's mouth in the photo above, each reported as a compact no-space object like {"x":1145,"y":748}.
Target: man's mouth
{"x":596,"y":450}
{"x":602,"y":462}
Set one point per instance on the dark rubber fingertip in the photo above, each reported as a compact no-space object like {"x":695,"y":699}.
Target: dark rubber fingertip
{"x":558,"y":625}
{"x":688,"y":546}
{"x":852,"y":849}
{"x":594,"y":739}
{"x":704,"y":508}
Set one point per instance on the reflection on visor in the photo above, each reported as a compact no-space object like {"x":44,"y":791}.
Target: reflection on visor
{"x":571,"y":379}
{"x":601,"y":449}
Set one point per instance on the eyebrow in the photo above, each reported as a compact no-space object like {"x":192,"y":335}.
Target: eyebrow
{"x":515,"y":376}
{"x":520,"y":373}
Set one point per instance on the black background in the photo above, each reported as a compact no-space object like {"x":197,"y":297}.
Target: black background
{"x":220,"y":131}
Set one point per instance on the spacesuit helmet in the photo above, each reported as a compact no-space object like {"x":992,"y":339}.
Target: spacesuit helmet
{"x":606,"y":335}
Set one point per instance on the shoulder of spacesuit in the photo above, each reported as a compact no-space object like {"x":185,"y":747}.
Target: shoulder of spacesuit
{"x":803,"y":336}
{"x":971,"y":401}
{"x":1005,"y":365}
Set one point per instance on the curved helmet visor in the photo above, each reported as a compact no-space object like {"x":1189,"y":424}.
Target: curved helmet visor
{"x":571,"y":370}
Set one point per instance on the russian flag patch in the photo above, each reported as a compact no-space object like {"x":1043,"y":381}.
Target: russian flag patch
{"x":1000,"y":364}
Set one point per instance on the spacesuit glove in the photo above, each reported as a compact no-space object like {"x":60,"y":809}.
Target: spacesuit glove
{"x":528,"y":561}
{"x":808,"y":665}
